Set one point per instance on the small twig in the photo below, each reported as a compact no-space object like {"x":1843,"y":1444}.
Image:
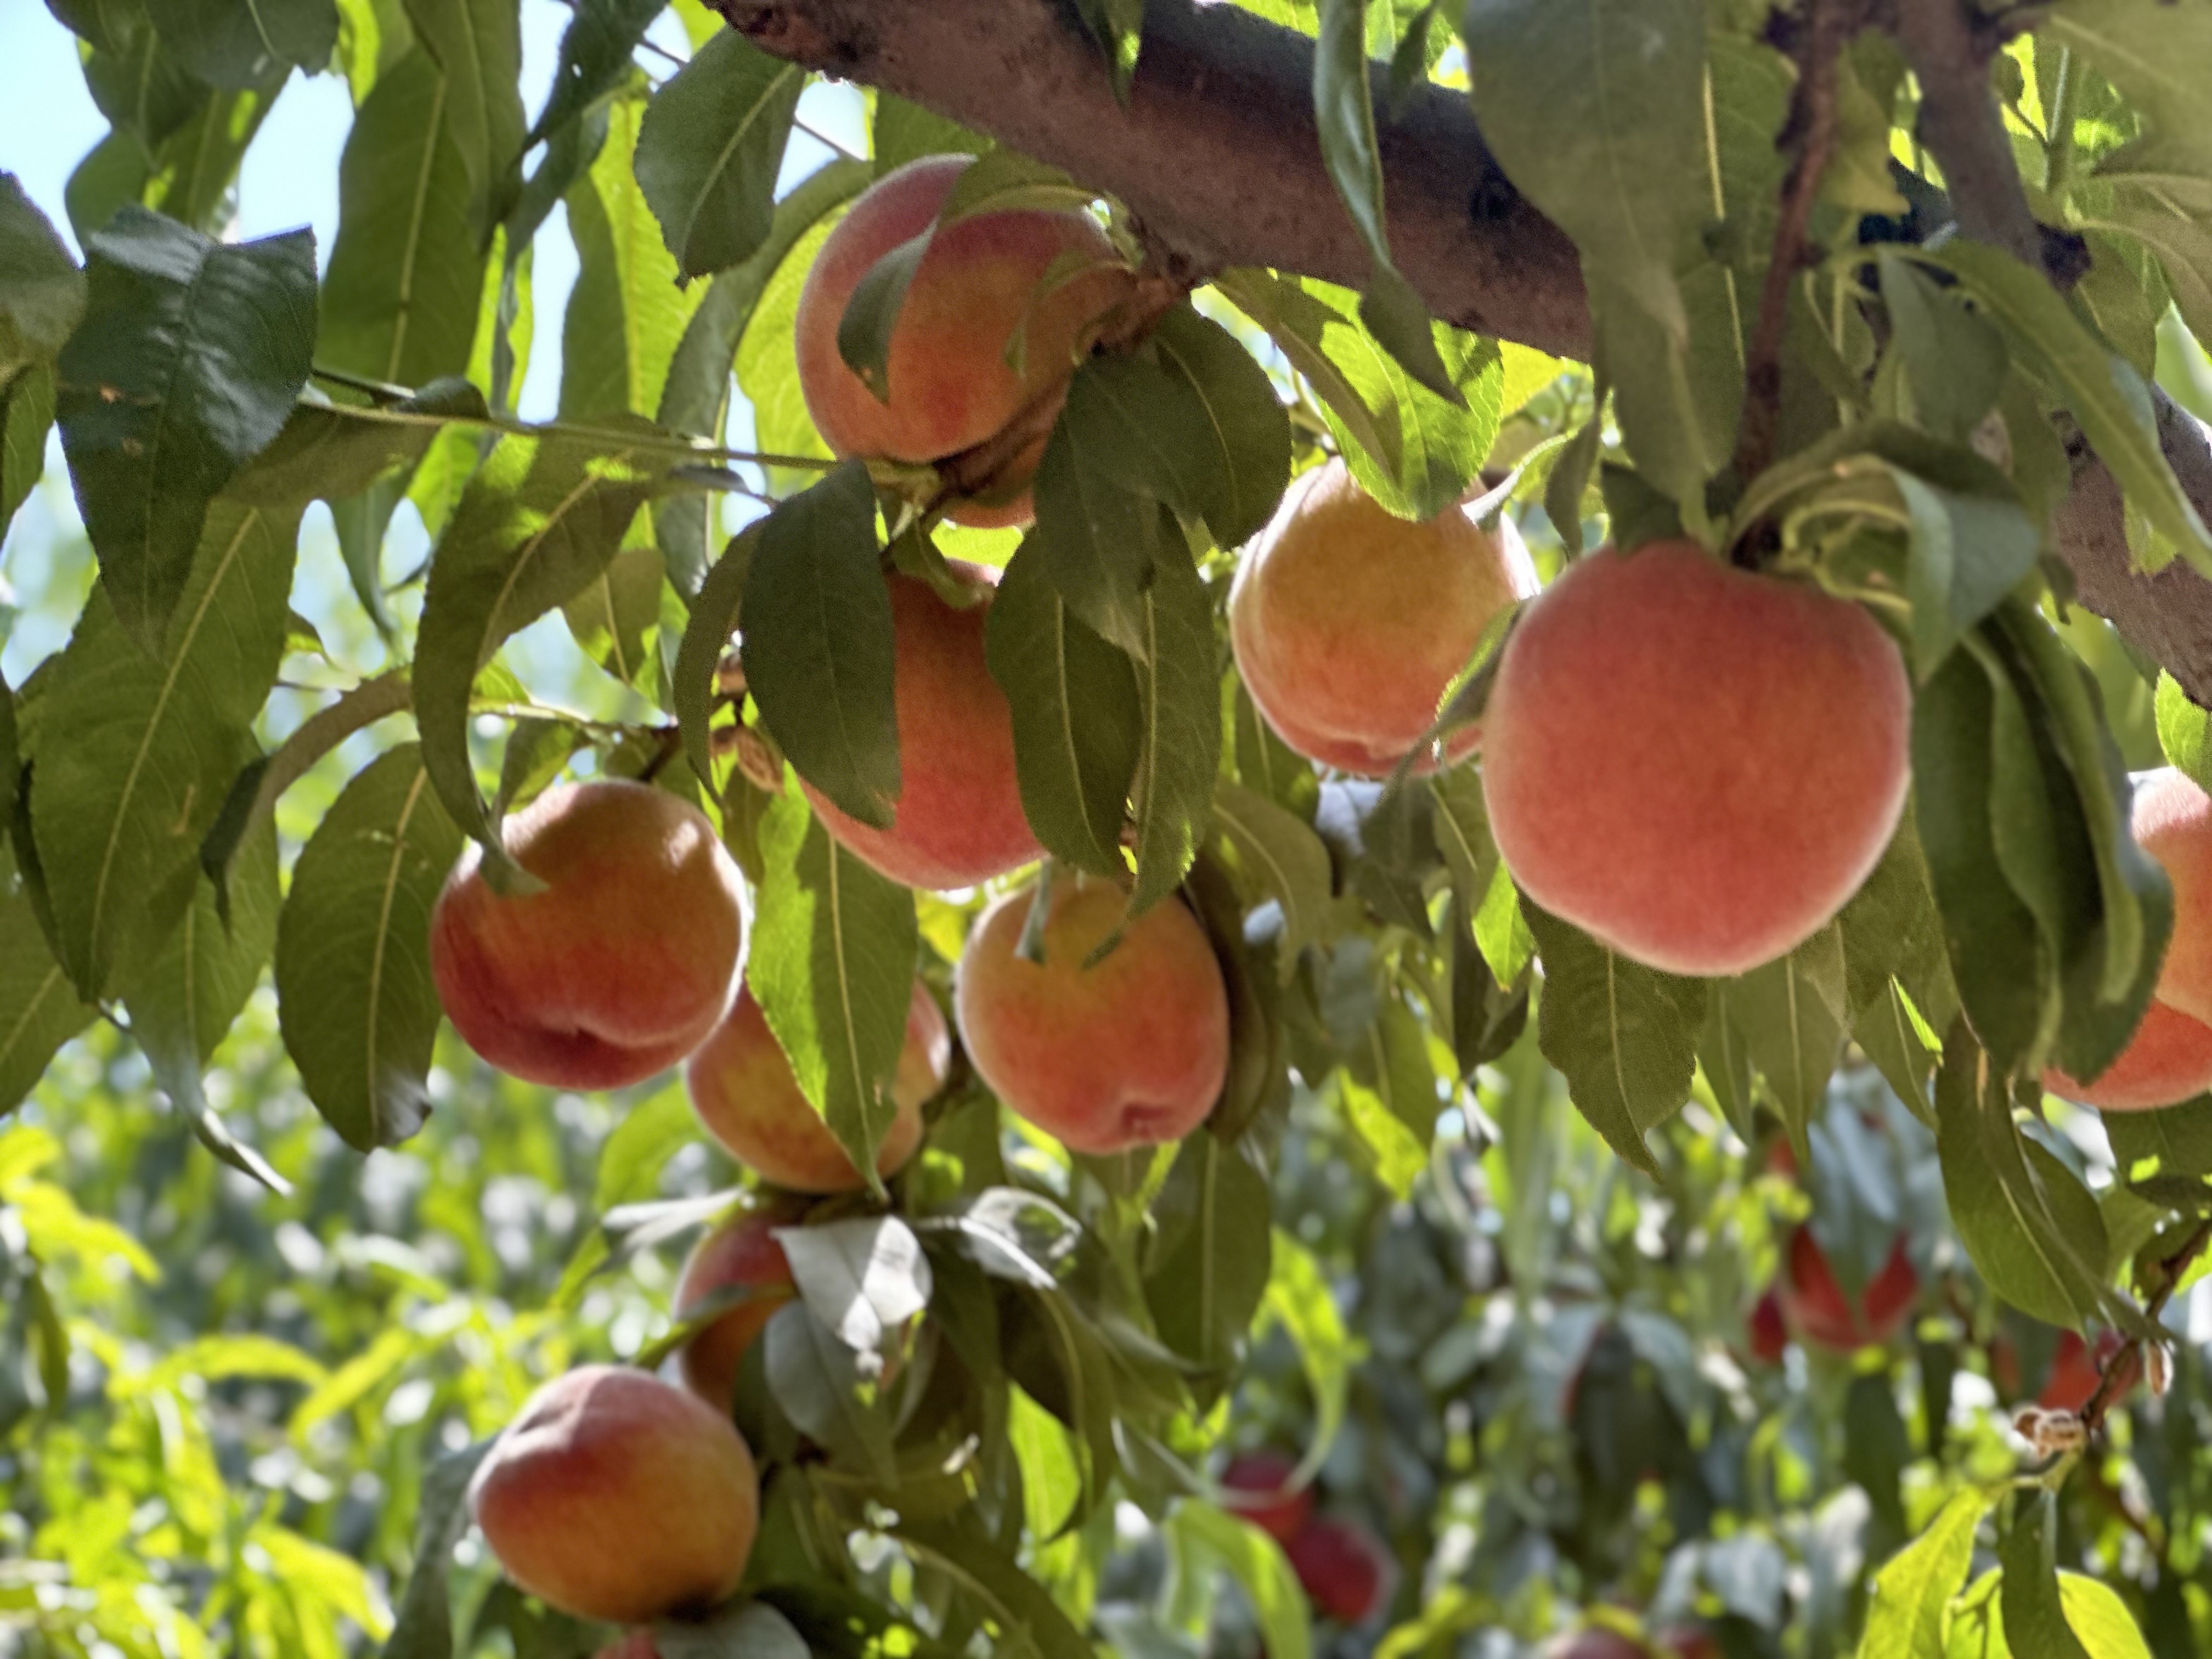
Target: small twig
{"x":1811,"y":130}
{"x":2121,"y":1371}
{"x":823,"y":138}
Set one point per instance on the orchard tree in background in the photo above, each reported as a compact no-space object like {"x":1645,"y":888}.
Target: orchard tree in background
{"x":1385,"y":811}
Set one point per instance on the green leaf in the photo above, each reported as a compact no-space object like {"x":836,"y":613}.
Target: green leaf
{"x":359,"y":1011}
{"x":185,"y":367}
{"x":39,"y":1011}
{"x":1790,"y":1016}
{"x":42,"y":293}
{"x":540,"y":521}
{"x":1625,"y":1035}
{"x":1208,"y":1262}
{"x":706,"y":637}
{"x":1298,"y":324}
{"x":1277,"y":855}
{"x":1259,"y":1568}
{"x":478,"y":44}
{"x":1247,"y":439}
{"x":1270,"y":767}
{"x":832,"y":956}
{"x":818,"y":1381}
{"x":2100,"y":1621}
{"x":1028,"y":1620}
{"x":1954,"y":358}
{"x":1299,"y":1299}
{"x":1097,"y":538}
{"x":1179,"y":685}
{"x":2185,"y":731}
{"x":2103,"y":391}
{"x":818,"y":643}
{"x":241,"y":43}
{"x":134,"y":753}
{"x":1079,"y":723}
{"x":708,"y":153}
{"x":596,"y":50}
{"x":1972,"y":542}
{"x":2028,"y":1596}
{"x":1905,"y":1620}
{"x":138,"y":83}
{"x":2148,"y":52}
{"x":26,"y":414}
{"x":866,"y":1278}
{"x":424,"y":1628}
{"x":2178,"y":1137}
{"x":401,"y":299}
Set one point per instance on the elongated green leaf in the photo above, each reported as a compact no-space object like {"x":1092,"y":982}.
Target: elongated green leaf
{"x":39,"y":1009}
{"x":135,"y":752}
{"x":540,"y":520}
{"x":1247,"y":444}
{"x":1260,"y":1567}
{"x":1028,"y":1620}
{"x":706,"y":637}
{"x":401,"y":299}
{"x":866,"y":1278}
{"x":1954,"y":358}
{"x":817,"y":1380}
{"x":1790,"y":1015}
{"x":1179,"y":687}
{"x":139,"y":84}
{"x":352,"y":952}
{"x":42,"y":293}
{"x":1299,"y":1299}
{"x":818,"y":643}
{"x":2029,"y":1595}
{"x":332,"y":450}
{"x":596,"y":51}
{"x":26,"y":415}
{"x":1078,"y":724}
{"x":1277,"y":856}
{"x":1912,"y":1589}
{"x":832,"y":966}
{"x":1096,"y":535}
{"x":1625,"y":1035}
{"x":424,"y":1628}
{"x":2149,"y":52}
{"x":241,"y":43}
{"x":1298,"y":323}
{"x":1209,"y":1262}
{"x":185,"y":367}
{"x":710,"y":149}
{"x":478,"y":44}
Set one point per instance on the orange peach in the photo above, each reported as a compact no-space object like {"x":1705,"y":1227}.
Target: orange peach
{"x":620,"y":966}
{"x":958,"y":818}
{"x":615,"y":1497}
{"x":744,"y":1091}
{"x":1349,"y":624}
{"x":2172,"y":821}
{"x":1817,"y":1308}
{"x":741,"y":1254}
{"x":1130,"y":1051}
{"x":983,"y":280}
{"x":1697,"y":765}
{"x":2166,"y":1061}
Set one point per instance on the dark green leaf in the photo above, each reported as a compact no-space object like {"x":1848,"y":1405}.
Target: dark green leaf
{"x":193,"y":174}
{"x":241,"y":43}
{"x":1079,"y":722}
{"x":822,"y":1387}
{"x":139,"y":84}
{"x":595,"y":57}
{"x":866,"y":1278}
{"x":818,"y":643}
{"x":710,"y":148}
{"x":1179,"y":686}
{"x":1971,"y":543}
{"x":1276,"y":855}
{"x":1028,"y":1620}
{"x":1247,"y":441}
{"x":1790,"y":1016}
{"x":39,"y":1011}
{"x":42,"y":290}
{"x":1208,"y":1264}
{"x":1097,"y":538}
{"x":1954,"y":359}
{"x":424,"y":1628}
{"x":478,"y":44}
{"x":185,"y":366}
{"x":26,"y":415}
{"x":2027,"y":1550}
{"x":2179,"y":1138}
{"x":706,"y":637}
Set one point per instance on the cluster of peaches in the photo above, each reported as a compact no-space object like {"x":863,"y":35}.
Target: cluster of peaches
{"x":1696,"y":765}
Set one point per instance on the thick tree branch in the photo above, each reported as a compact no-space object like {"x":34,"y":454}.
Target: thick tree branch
{"x":1217,"y":154}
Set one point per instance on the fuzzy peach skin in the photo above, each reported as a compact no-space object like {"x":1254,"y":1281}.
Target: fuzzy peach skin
{"x":1131,"y":1052}
{"x":958,"y":819}
{"x":982,"y":280}
{"x":2166,"y":1061}
{"x":616,"y":1496}
{"x":1695,"y":764}
{"x":2172,"y":822}
{"x":1814,"y":1303}
{"x":1349,"y":624}
{"x":740,"y":1253}
{"x":745,"y":1095}
{"x":621,"y":966}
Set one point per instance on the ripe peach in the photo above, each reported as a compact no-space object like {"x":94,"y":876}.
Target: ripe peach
{"x":740,"y":1253}
{"x":2172,"y":821}
{"x":615,"y":1497}
{"x":2166,"y":1061}
{"x":1695,"y":764}
{"x":1817,"y":1309}
{"x":1341,"y":1567}
{"x":1348,"y":622}
{"x":746,"y":1098}
{"x":1769,"y":1331}
{"x":1130,"y":1052}
{"x":624,"y":962}
{"x":983,"y":280}
{"x":958,"y":819}
{"x":1276,"y":1510}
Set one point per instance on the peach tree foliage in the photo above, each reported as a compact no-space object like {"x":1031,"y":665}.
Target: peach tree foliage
{"x":1877,"y":417}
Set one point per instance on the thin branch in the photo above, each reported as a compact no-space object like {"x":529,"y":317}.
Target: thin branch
{"x":824,"y":139}
{"x":1963,"y":128}
{"x":2125,"y":1366}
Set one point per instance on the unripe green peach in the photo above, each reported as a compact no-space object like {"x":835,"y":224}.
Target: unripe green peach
{"x":620,"y":966}
{"x":615,"y":1497}
{"x":743,"y":1089}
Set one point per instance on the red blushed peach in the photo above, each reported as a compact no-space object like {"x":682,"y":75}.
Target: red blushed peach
{"x":1130,"y":1052}
{"x":1349,"y":624}
{"x":1341,"y":1568}
{"x":615,"y":1497}
{"x":1814,"y":1303}
{"x":2166,"y":1061}
{"x":1276,"y":1507}
{"x":1597,"y":1642}
{"x":1697,"y":765}
{"x":620,"y":966}
{"x":746,"y":1098}
{"x":1769,"y":1331}
{"x":958,"y":818}
{"x":982,"y":282}
{"x":2172,"y":820}
{"x":741,"y":1254}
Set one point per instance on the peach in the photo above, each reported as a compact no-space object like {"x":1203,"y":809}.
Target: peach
{"x":1816,"y":1307}
{"x":2166,"y":1061}
{"x":1341,"y":1567}
{"x":1264,"y":1477}
{"x":745,"y":1095}
{"x":1769,"y":1331}
{"x":740,"y":1253}
{"x":615,"y":1497}
{"x":624,"y":961}
{"x":982,"y":281}
{"x":958,"y":818}
{"x":2172,"y":821}
{"x":1349,"y":624}
{"x":1597,"y":1642}
{"x":1129,"y":1052}
{"x":1695,"y":764}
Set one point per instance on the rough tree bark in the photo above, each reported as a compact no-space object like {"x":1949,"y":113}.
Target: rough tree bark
{"x":1217,"y":154}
